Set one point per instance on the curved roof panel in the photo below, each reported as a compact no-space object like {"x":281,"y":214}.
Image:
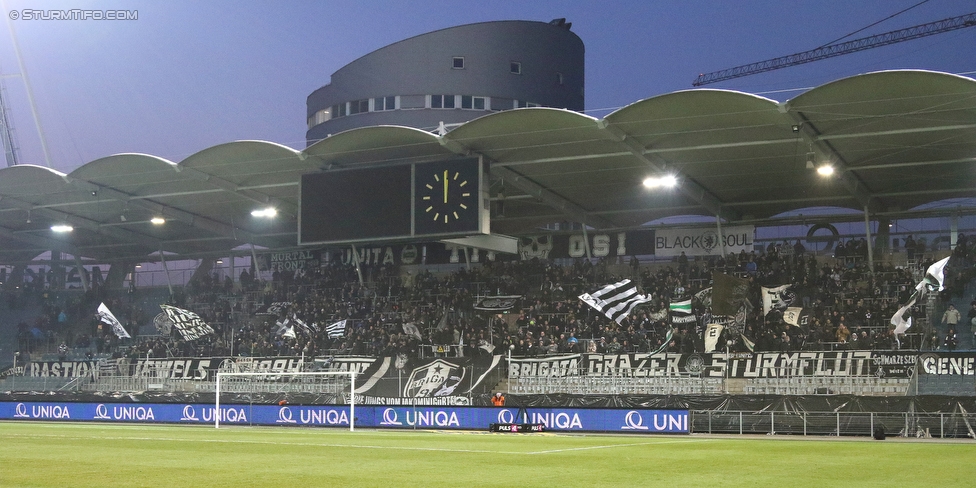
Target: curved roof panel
{"x":376,"y":145}
{"x":908,"y":136}
{"x":898,"y":139}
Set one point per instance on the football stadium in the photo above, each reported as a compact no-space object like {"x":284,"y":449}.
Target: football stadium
{"x":465,"y":279}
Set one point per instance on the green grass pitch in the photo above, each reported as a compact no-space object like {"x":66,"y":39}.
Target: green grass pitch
{"x":34,"y":454}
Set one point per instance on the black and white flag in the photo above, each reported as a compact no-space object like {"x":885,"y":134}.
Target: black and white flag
{"x":337,"y":329}
{"x":273,"y":308}
{"x":285,"y":329}
{"x":616,"y":300}
{"x":105,"y":316}
{"x":933,"y":281}
{"x":304,"y":327}
{"x":798,"y":317}
{"x":190,"y":325}
{"x":777,"y":298}
{"x":497,"y":304}
{"x":410,"y":328}
{"x":704,"y":297}
{"x":712,"y":333}
{"x":899,"y":321}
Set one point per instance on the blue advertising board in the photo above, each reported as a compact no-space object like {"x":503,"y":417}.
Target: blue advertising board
{"x":433,"y":417}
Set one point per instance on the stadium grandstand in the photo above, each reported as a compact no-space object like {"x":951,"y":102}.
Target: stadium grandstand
{"x":708,"y":250}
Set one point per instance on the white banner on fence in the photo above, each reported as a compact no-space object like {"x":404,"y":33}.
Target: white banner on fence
{"x":703,"y":242}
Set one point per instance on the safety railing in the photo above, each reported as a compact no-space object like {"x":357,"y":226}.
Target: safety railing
{"x":828,"y":385}
{"x":905,"y":424}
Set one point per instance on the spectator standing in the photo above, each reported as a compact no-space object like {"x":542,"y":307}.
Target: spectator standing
{"x":951,"y":317}
{"x":951,"y":340}
{"x":498,"y":400}
{"x":842,"y":333}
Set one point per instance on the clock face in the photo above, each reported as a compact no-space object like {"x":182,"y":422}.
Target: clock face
{"x":446,"y":197}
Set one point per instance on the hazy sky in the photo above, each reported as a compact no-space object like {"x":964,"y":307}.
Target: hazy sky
{"x":187,"y":75}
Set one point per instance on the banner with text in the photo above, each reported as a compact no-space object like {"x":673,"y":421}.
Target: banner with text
{"x":470,"y":418}
{"x":734,"y":365}
{"x":415,"y":378}
{"x":601,"y":244}
{"x":292,"y":261}
{"x":704,"y":241}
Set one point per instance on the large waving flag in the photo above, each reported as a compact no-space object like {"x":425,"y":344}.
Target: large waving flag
{"x":704,"y":297}
{"x":899,"y":321}
{"x":934,"y":280}
{"x":728,"y":293}
{"x":934,"y":277}
{"x":286,"y":329}
{"x":616,"y":300}
{"x":776,"y":298}
{"x":411,"y":328}
{"x":337,"y":329}
{"x":712,"y":333}
{"x":303,"y":326}
{"x":190,"y":325}
{"x":105,"y":316}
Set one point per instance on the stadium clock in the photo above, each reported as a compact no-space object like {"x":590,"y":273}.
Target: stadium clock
{"x":447,"y":197}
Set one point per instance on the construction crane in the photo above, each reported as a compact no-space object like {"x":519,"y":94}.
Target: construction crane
{"x":6,"y":131}
{"x":839,"y":49}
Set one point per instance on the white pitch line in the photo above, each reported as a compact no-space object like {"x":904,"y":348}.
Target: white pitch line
{"x":609,"y":446}
{"x":355,"y":446}
{"x":272,"y":443}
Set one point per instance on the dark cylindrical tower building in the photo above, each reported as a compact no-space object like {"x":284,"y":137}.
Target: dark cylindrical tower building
{"x":451,"y":76}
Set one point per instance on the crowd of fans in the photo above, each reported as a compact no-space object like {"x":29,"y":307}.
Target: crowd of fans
{"x":396,"y":312}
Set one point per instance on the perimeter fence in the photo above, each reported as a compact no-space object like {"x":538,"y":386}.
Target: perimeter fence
{"x":956,"y":424}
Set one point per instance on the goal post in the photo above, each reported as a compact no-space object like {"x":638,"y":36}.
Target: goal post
{"x":337,"y":382}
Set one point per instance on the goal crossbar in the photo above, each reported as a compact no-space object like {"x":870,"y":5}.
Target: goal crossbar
{"x":223,"y":377}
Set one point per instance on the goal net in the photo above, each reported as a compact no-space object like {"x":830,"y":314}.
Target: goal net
{"x":282,"y":389}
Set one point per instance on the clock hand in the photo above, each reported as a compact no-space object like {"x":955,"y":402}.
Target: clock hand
{"x":445,"y":186}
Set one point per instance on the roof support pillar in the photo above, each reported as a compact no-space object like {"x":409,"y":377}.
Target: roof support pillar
{"x":169,"y":284}
{"x":870,"y":245}
{"x":82,"y":274}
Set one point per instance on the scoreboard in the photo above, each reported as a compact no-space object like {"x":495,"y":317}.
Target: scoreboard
{"x":440,"y":199}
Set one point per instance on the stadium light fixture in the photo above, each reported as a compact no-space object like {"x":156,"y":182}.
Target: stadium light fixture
{"x":61,"y":228}
{"x":267,"y":213}
{"x":825,"y":170}
{"x":667,"y":181}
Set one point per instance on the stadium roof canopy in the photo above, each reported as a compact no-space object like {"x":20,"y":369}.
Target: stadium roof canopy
{"x":897,"y":140}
